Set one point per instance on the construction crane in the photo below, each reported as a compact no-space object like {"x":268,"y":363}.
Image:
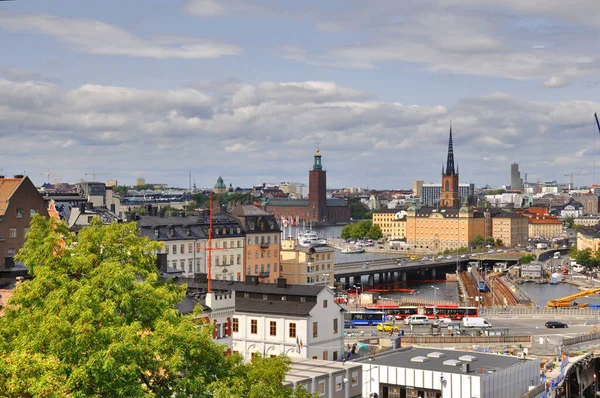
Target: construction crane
{"x":93,"y":174}
{"x":568,"y":301}
{"x":49,"y":173}
{"x":571,"y":175}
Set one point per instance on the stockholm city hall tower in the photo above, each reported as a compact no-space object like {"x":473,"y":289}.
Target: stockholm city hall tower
{"x":449,"y":196}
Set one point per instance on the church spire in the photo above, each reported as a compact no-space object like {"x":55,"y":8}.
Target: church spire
{"x":450,"y":160}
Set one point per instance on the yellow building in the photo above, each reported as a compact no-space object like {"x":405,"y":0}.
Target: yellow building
{"x":588,"y":238}
{"x":306,"y":266}
{"x":431,"y":229}
{"x":511,"y":228}
{"x":392,"y":223}
{"x":545,"y":227}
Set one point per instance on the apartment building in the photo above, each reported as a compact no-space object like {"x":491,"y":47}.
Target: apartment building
{"x":511,"y":228}
{"x":391,"y":222}
{"x":307,"y":265}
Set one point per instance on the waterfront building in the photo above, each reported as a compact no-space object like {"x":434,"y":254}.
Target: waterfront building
{"x":307,"y":265}
{"x":534,"y":270}
{"x":413,"y":372}
{"x":392,"y":223}
{"x":19,"y":202}
{"x":317,"y":208}
{"x":261,"y":252}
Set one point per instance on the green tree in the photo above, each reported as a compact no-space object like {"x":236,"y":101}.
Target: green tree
{"x":570,"y":221}
{"x":490,"y":241}
{"x":499,"y":243}
{"x":358,"y":210}
{"x":479,"y":241}
{"x":526,"y":259}
{"x":96,"y":321}
{"x":375,"y":232}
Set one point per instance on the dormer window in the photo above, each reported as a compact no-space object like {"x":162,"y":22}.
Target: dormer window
{"x":172,"y":231}
{"x":251,"y":225}
{"x":224,"y":231}
{"x":239,"y":230}
{"x":188,"y":231}
{"x":271,"y":224}
{"x":156,"y":232}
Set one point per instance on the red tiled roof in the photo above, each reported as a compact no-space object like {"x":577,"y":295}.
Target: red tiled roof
{"x":8,"y":186}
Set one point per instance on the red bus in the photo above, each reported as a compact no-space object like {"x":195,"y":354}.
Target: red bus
{"x":451,"y":311}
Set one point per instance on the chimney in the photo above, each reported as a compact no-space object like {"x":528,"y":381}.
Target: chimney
{"x":281,"y":283}
{"x":19,"y":175}
{"x":161,"y":262}
{"x":82,"y":208}
{"x":1,"y":177}
{"x":465,"y":367}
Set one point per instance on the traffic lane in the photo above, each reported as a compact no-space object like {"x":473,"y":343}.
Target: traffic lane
{"x":537,"y":326}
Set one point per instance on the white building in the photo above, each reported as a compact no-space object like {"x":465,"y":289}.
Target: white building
{"x":431,"y":193}
{"x":325,"y":378}
{"x":295,"y":320}
{"x":434,"y":373}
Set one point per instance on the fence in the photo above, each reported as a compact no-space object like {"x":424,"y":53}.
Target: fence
{"x":581,"y":339}
{"x":545,"y":311}
{"x":414,"y":339}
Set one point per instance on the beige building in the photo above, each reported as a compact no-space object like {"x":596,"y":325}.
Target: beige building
{"x":392,"y":223}
{"x":589,"y":202}
{"x":588,"y":238}
{"x":429,"y":229}
{"x":589,"y":221}
{"x":545,"y":227}
{"x":140,"y":181}
{"x":511,"y":228}
{"x":306,"y":266}
{"x":418,"y":187}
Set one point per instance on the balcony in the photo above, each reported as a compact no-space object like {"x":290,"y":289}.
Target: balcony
{"x":264,"y":274}
{"x":264,"y":245}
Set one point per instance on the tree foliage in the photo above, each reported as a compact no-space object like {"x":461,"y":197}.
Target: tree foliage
{"x":570,"y":221}
{"x":586,"y":257}
{"x":479,"y":241}
{"x":526,"y":259}
{"x":358,"y":210}
{"x":358,"y":230}
{"x":375,"y":232}
{"x":96,"y":321}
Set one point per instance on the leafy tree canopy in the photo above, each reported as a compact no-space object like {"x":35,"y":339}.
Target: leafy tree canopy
{"x":96,"y":321}
{"x":527,"y":259}
{"x":479,"y":241}
{"x":358,"y":210}
{"x":357,"y":230}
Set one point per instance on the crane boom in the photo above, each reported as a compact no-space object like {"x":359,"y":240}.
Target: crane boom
{"x":597,"y":123}
{"x":567,"y":300}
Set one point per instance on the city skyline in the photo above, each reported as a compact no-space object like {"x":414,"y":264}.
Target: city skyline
{"x":244,"y":89}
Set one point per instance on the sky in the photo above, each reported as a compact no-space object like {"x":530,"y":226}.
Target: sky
{"x":245,"y":89}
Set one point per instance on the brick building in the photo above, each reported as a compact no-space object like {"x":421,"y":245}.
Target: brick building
{"x":19,"y":201}
{"x":317,"y":209}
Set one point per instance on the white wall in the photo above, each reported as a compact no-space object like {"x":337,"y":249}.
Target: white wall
{"x":174,"y":259}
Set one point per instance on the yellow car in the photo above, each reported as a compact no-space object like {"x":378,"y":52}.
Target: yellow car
{"x":413,"y":257}
{"x":387,"y":327}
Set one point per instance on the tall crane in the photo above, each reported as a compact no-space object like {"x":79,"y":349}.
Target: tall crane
{"x":571,"y":175}
{"x":49,"y":173}
{"x":93,"y":174}
{"x":566,"y":301}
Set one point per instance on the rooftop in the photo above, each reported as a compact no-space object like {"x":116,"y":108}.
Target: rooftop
{"x":265,"y":288}
{"x":446,"y":361}
{"x":8,"y":186}
{"x":302,"y":369}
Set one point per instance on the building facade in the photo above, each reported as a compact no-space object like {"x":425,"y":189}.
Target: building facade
{"x":261,"y":251}
{"x":589,"y":202}
{"x":511,"y":228}
{"x":418,"y":188}
{"x":516,"y":182}
{"x":19,"y":202}
{"x":431,"y":193}
{"x":307,"y":266}
{"x":392,"y":223}
{"x":325,"y":378}
{"x":588,"y":238}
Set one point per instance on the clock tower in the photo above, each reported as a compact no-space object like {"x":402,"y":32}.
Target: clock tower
{"x":450,"y":196}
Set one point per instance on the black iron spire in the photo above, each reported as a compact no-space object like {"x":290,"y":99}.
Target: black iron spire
{"x":450,"y":161}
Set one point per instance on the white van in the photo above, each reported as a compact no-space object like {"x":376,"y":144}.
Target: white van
{"x":416,"y":320}
{"x":469,"y":322}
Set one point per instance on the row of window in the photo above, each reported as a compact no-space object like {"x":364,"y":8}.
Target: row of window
{"x":315,"y":268}
{"x":263,"y":239}
{"x":223,"y":260}
{"x":292,"y":330}
{"x":262,"y":268}
{"x":12,"y":232}
{"x":262,"y":253}
{"x":20,"y":213}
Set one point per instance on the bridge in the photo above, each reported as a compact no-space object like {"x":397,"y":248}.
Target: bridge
{"x":401,"y":268}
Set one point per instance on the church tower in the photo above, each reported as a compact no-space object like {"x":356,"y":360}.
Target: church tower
{"x":450,"y":196}
{"x":317,"y":190}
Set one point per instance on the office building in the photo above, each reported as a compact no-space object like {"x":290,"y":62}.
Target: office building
{"x":516,"y":182}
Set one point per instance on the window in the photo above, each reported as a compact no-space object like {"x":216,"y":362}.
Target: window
{"x":25,"y":231}
{"x":354,"y":379}
{"x":216,"y":260}
{"x":182,"y":264}
{"x":275,"y":267}
{"x":11,"y":252}
{"x":321,"y":388}
{"x":235,"y":326}
{"x":249,"y":255}
{"x":238,"y":259}
{"x":32,"y":212}
{"x":315,"y":329}
{"x":174,"y":263}
{"x":239,"y":243}
{"x":268,"y":253}
{"x":338,"y":383}
{"x":256,"y":254}
{"x":190,"y":265}
{"x":231,"y":259}
{"x":324,"y":303}
{"x":256,"y":240}
{"x":225,"y":245}
{"x":303,"y":299}
{"x":265,"y":297}
{"x":335,"y":326}
{"x":190,"y":248}
{"x":256,"y":268}
{"x":292,"y":333}
{"x":262,"y":239}
{"x":182,"y":248}
{"x":275,"y":239}
{"x":12,"y":233}
{"x":269,"y":239}
{"x":20,"y":213}
{"x":174,"y":249}
{"x":272,"y":328}
{"x":254,"y":326}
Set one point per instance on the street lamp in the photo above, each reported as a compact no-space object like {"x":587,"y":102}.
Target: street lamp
{"x":326,"y":278}
{"x":357,"y":295}
{"x":434,"y":292}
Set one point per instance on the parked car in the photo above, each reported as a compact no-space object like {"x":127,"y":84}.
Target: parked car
{"x":440,"y":257}
{"x":348,"y":325}
{"x":556,"y":324}
{"x":463,"y":256}
{"x":416,"y":320}
{"x":449,"y":257}
{"x":388,"y":327}
{"x":442,"y":322}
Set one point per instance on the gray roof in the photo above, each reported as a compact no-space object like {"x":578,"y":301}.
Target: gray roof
{"x":273,"y":306}
{"x":192,"y":227}
{"x":426,"y":211}
{"x":291,"y":202}
{"x":402,"y":358}
{"x":265,"y":288}
{"x":249,"y":210}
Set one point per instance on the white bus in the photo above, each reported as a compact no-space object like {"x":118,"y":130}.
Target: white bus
{"x":556,"y":255}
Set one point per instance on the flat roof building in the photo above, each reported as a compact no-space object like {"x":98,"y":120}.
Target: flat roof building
{"x":413,"y":372}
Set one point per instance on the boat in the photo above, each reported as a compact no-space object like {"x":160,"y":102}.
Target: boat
{"x":309,"y":238}
{"x":353,"y":250}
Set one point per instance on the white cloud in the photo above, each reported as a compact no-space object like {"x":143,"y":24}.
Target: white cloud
{"x":268,"y":129}
{"x":95,"y":37}
{"x":555,"y":82}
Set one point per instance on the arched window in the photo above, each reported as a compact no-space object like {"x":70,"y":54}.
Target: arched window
{"x":447,"y":186}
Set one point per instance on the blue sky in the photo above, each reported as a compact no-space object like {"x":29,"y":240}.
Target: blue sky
{"x":243,"y":89}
